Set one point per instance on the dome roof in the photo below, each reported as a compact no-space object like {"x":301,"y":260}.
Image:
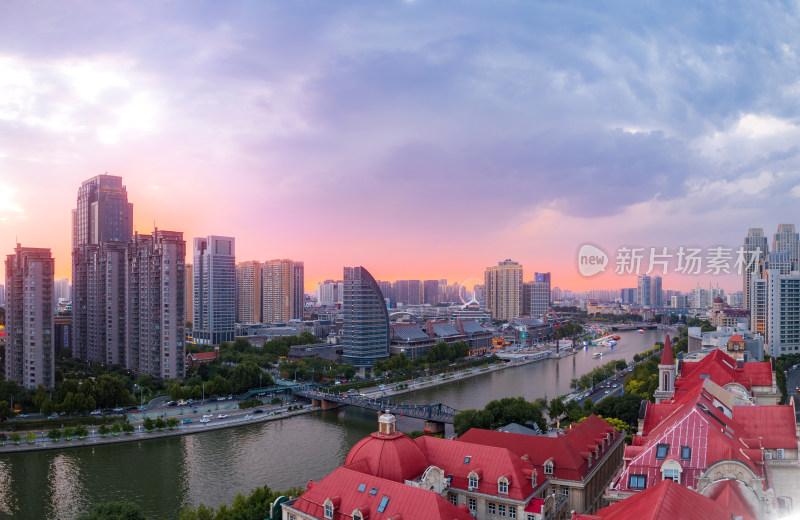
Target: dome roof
{"x":718,"y":299}
{"x":393,"y":456}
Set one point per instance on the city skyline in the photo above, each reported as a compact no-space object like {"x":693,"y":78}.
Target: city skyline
{"x":407,"y":121}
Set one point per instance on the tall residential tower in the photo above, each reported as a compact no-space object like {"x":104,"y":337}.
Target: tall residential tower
{"x":214,"y":284}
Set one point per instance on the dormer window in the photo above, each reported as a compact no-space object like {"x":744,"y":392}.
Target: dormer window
{"x":328,"y":510}
{"x":548,"y":468}
{"x":357,"y":516}
{"x":662,"y":450}
{"x":502,"y":486}
{"x":473,"y":481}
{"x":329,"y":506}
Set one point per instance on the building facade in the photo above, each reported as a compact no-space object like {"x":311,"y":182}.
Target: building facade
{"x":156,"y":312}
{"x":282,"y":288}
{"x":503,"y":286}
{"x":102,"y":224}
{"x":214,"y":284}
{"x":30,"y":324}
{"x":755,"y":248}
{"x":249,"y":296}
{"x":365,"y":326}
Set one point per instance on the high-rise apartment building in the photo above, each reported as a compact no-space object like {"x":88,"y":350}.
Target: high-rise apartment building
{"x":61,"y":290}
{"x":628,"y":295}
{"x":755,"y":247}
{"x":189,"y":294}
{"x":282,"y":290}
{"x":430,"y":291}
{"x":2,"y":295}
{"x":656,"y":293}
{"x":299,"y":300}
{"x":786,"y":239}
{"x":783,"y":313}
{"x":102,"y":224}
{"x":645,"y":291}
{"x":156,"y":312}
{"x":30,"y":318}
{"x":503,"y":286}
{"x":214,"y":306}
{"x":365,"y":325}
{"x":249,"y":296}
{"x":386,"y":290}
{"x":329,"y":293}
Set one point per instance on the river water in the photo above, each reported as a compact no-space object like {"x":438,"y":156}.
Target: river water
{"x":163,"y":475}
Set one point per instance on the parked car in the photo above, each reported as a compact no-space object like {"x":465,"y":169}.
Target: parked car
{"x":222,"y":416}
{"x":207,"y":416}
{"x":187,"y":421}
{"x":258,"y":410}
{"x":96,"y":412}
{"x":248,"y":417}
{"x":205,"y":420}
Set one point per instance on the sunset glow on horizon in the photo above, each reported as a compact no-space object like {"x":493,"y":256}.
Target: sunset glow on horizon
{"x":421,"y":140}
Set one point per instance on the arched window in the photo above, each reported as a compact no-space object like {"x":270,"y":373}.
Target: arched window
{"x":666,"y":382}
{"x":671,"y":469}
{"x":548,"y":468}
{"x":473,"y":480}
{"x":502,"y":486}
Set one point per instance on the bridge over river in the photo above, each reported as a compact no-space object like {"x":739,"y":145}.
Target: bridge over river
{"x":435,"y":415}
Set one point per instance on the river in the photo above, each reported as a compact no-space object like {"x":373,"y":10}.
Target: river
{"x":163,"y":475}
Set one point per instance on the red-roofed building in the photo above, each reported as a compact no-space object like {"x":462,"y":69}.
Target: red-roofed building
{"x":579,"y":463}
{"x":670,"y":501}
{"x":703,"y":439}
{"x":428,"y":477}
{"x":198,"y":358}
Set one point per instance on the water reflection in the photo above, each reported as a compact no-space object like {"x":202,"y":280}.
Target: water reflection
{"x":65,"y":484}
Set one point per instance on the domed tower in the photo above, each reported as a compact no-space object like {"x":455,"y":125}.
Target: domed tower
{"x":666,"y":374}
{"x":388,"y":453}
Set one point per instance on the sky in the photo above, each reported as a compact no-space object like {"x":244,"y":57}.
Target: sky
{"x":420,"y":139}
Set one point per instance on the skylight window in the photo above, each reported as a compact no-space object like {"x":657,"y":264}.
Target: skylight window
{"x":467,"y":459}
{"x":373,"y":491}
{"x":383,"y":504}
{"x":662,"y":451}
{"x":361,"y":488}
{"x":686,"y":452}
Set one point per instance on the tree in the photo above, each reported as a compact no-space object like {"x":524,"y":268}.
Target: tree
{"x":114,"y":511}
{"x":54,"y":434}
{"x":245,"y":376}
{"x":148,"y":424}
{"x":160,"y":424}
{"x":556,"y":409}
{"x":467,"y":419}
{"x":81,"y":432}
{"x":172,"y":423}
{"x":5,"y":410}
{"x":103,"y":430}
{"x":15,"y":438}
{"x":127,"y":428}
{"x":116,"y":428}
{"x":624,"y":407}
{"x":30,"y":437}
{"x":69,"y":433}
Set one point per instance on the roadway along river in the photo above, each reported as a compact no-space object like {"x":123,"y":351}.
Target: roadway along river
{"x":163,"y":475}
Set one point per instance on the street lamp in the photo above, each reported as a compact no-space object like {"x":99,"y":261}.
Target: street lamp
{"x":203,"y":384}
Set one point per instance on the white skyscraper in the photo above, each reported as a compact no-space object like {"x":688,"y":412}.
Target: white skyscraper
{"x":783,"y":313}
{"x":214,"y":285}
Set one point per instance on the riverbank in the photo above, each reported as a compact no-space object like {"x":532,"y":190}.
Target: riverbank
{"x":235,"y":418}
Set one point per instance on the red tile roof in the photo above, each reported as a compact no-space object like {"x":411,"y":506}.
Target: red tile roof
{"x":569,"y":451}
{"x":393,"y":456}
{"x":412,"y":502}
{"x":735,"y":337}
{"x":731,"y":493}
{"x":722,"y":369}
{"x":774,"y":425}
{"x":665,"y":501}
{"x":204,"y":356}
{"x":489,"y":462}
{"x":666,"y":354}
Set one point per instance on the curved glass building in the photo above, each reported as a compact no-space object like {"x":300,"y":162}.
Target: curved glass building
{"x":365,"y":327}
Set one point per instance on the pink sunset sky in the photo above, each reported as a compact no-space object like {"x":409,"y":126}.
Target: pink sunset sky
{"x":419,"y":139}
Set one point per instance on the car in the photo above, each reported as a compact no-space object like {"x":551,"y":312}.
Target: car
{"x":141,"y":409}
{"x":258,"y":410}
{"x":230,"y":397}
{"x":96,"y":412}
{"x":208,"y":416}
{"x":53,"y":416}
{"x":205,"y":420}
{"x":117,"y":409}
{"x":607,"y":391}
{"x":248,"y":417}
{"x":23,"y":415}
{"x":222,"y":416}
{"x":220,"y":398}
{"x":187,"y":421}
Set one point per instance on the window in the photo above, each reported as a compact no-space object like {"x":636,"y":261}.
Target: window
{"x":373,"y":491}
{"x":673,"y":474}
{"x":686,"y":452}
{"x":548,"y":468}
{"x":292,"y":517}
{"x":328,"y":511}
{"x":502,"y":487}
{"x":357,"y":516}
{"x":472,"y":504}
{"x":361,"y":488}
{"x":501,"y":510}
{"x":565,"y":491}
{"x":492,"y":508}
{"x":662,"y":450}
{"x":467,"y":459}
{"x":637,"y":482}
{"x":453,"y":498}
{"x":512,"y":512}
{"x":530,"y":517}
{"x":473,"y":482}
{"x":383,"y":504}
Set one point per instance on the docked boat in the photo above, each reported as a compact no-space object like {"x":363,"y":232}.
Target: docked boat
{"x":597,"y":355}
